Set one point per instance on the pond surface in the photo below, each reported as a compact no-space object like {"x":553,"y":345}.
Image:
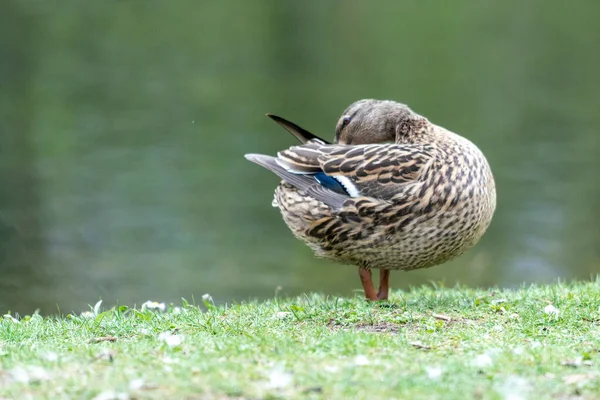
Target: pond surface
{"x":123,"y":127}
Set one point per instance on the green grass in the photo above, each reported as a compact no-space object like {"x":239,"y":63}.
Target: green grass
{"x":445,"y":343}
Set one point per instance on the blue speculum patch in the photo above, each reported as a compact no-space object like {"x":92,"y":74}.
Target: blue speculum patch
{"x":330,"y":183}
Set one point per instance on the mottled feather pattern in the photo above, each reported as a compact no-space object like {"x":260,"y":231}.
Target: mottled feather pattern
{"x":423,"y":200}
{"x":372,"y":168}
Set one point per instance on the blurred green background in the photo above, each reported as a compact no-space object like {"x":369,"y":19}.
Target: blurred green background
{"x":123,"y":126}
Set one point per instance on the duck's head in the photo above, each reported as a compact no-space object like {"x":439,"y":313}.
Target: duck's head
{"x":378,"y":121}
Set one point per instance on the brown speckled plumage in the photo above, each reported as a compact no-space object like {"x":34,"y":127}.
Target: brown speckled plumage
{"x":407,"y":193}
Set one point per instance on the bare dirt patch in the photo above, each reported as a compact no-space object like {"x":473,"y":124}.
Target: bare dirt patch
{"x":380,"y":327}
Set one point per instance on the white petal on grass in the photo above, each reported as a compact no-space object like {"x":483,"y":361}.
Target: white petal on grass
{"x":361,"y":360}
{"x":10,"y":318}
{"x":50,"y":356}
{"x":282,"y":314}
{"x":170,"y":339}
{"x":168,"y":360}
{"x":574,"y":362}
{"x":551,"y":310}
{"x":513,"y":388}
{"x":331,"y":368}
{"x":97,"y":308}
{"x":87,"y":314}
{"x":207,"y":297}
{"x":111,"y":395}
{"x":434,"y":372}
{"x":29,"y":374}
{"x":37,"y":374}
{"x":483,"y":360}
{"x":136,"y":384}
{"x":535,"y":344}
{"x":19,"y":374}
{"x":153,"y":306}
{"x":279,"y":379}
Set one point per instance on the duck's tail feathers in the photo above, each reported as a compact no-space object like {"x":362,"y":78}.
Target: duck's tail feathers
{"x":299,"y":133}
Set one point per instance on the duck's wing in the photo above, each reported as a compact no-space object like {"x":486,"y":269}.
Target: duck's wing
{"x":299,"y":133}
{"x":319,"y":185}
{"x":381,"y":171}
{"x":305,"y":182}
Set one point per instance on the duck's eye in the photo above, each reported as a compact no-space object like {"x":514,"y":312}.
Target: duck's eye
{"x":345,"y":121}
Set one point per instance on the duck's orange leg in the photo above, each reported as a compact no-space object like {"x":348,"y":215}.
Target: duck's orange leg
{"x":384,"y":284}
{"x":367,"y":282}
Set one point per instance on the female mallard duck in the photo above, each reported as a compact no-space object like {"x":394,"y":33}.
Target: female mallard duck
{"x":393,"y":192}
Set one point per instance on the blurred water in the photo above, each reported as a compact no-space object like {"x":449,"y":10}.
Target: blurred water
{"x":123,"y":127}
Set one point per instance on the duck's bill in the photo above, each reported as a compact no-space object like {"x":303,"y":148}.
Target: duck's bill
{"x":300,"y":133}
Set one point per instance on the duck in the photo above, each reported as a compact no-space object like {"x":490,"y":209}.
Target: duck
{"x":393,"y":191}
